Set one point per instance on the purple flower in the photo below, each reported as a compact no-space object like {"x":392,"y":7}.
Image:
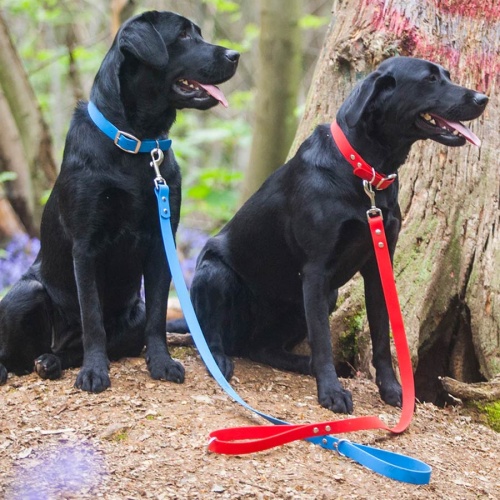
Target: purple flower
{"x":16,"y":258}
{"x":189,"y":244}
{"x":60,"y":472}
{"x":22,"y":250}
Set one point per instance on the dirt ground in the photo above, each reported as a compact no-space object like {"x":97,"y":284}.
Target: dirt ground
{"x":147,"y":439}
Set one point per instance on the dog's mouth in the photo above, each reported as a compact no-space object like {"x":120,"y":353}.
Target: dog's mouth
{"x":190,"y":89}
{"x":446,"y":132}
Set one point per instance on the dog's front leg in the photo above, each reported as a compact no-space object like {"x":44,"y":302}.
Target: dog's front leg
{"x":378,"y":320}
{"x":331,"y":394}
{"x":94,"y":374}
{"x":157,"y":279}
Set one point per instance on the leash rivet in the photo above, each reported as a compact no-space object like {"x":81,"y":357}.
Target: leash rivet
{"x":380,"y":244}
{"x":163,"y":199}
{"x":328,"y":428}
{"x":165,"y":211}
{"x":353,"y":157}
{"x":324,"y":441}
{"x":359,"y":165}
{"x":315,"y":430}
{"x":378,"y":231}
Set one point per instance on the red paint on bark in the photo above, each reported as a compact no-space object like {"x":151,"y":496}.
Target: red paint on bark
{"x":488,"y":10}
{"x":481,"y":63}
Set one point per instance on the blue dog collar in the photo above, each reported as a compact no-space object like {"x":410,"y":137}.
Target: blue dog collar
{"x":124,"y":140}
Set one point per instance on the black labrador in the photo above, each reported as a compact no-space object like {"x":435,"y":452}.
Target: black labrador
{"x":79,"y":304}
{"x":271,"y":276}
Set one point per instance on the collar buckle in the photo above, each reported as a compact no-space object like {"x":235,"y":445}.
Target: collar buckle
{"x":129,"y":148}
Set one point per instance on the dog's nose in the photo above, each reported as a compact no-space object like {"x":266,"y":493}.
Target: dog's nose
{"x":481,"y":99}
{"x":232,"y":55}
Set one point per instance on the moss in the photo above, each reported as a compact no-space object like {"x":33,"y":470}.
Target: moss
{"x":492,"y":412}
{"x":489,"y":413}
{"x":120,"y":436}
{"x":181,"y":353}
{"x":348,"y":339}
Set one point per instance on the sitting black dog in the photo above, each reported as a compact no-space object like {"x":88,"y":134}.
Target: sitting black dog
{"x":79,"y":304}
{"x":270,"y":277}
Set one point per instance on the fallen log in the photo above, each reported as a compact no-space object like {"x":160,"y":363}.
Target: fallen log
{"x":179,"y":339}
{"x":479,"y":391}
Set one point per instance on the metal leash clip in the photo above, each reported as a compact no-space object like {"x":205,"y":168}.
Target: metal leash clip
{"x":157,"y":157}
{"x":374,"y":211}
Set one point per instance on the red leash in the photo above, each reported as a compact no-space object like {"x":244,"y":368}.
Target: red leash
{"x":240,"y":440}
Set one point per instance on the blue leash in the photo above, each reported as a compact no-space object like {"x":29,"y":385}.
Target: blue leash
{"x":390,"y":464}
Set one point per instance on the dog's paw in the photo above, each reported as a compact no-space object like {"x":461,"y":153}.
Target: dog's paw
{"x":225,"y":364}
{"x":3,"y":374}
{"x":48,"y":366}
{"x":165,"y":369}
{"x":391,"y":392}
{"x":338,"y":400}
{"x":93,"y":379}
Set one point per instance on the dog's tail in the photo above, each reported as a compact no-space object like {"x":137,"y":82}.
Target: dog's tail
{"x":177,"y":326}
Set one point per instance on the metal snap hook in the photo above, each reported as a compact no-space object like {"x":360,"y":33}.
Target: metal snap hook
{"x":157,"y":158}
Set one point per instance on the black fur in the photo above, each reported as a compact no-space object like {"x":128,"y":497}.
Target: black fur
{"x":79,"y":304}
{"x":270,"y":277}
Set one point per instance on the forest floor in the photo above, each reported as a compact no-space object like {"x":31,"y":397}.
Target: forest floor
{"x":147,"y":439}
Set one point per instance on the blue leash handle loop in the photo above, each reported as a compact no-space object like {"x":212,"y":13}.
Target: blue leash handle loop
{"x":390,"y":464}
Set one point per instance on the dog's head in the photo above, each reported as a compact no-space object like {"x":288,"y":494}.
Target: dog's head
{"x":159,"y":61}
{"x":408,"y":99}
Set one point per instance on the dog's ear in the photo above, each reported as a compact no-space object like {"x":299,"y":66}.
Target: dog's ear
{"x":141,"y":39}
{"x":370,"y":89}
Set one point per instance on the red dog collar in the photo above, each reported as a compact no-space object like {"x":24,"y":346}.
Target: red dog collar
{"x":361,"y":168}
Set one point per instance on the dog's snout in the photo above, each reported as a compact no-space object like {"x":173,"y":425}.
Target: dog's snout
{"x":480,"y":99}
{"x":232,"y":55}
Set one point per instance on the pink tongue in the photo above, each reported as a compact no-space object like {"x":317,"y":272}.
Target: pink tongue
{"x":215,"y":92}
{"x":468,"y":134}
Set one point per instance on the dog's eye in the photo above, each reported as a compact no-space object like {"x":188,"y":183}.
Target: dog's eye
{"x":184,"y":35}
{"x":431,"y":78}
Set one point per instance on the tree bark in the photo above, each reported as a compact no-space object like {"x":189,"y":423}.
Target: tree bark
{"x":278,"y":79}
{"x":28,"y":150}
{"x":448,"y":255}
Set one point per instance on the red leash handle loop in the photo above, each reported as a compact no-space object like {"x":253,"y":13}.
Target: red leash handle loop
{"x":250,"y":439}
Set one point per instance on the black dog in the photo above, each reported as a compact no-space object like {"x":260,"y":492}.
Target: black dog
{"x":270,"y":277}
{"x":79,"y":304}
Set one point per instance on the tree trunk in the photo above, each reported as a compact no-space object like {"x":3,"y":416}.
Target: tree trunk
{"x":121,"y":10}
{"x":28,"y":149}
{"x":448,"y":254}
{"x":278,"y":79}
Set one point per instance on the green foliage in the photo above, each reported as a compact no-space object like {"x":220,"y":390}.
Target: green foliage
{"x":45,"y":197}
{"x":7,"y":176}
{"x":208,"y":155}
{"x":221,"y":6}
{"x":250,"y":34}
{"x":310,"y":21}
{"x":214,"y":194}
